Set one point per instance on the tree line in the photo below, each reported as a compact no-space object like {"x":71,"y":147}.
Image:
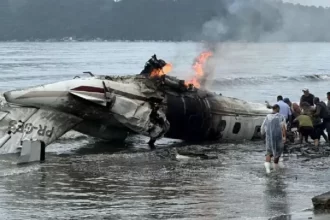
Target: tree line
{"x":163,"y":20}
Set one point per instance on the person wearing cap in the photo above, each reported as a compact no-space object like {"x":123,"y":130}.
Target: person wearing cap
{"x":306,"y":97}
{"x":274,"y":128}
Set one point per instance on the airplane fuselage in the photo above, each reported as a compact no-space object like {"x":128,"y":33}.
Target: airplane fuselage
{"x":193,"y":115}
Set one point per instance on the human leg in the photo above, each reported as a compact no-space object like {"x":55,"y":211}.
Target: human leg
{"x":304,"y":133}
{"x":267,"y":163}
{"x":317,"y":135}
{"x":327,"y":128}
{"x":325,"y":137}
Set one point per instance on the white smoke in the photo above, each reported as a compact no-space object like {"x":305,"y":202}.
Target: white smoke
{"x":236,"y":24}
{"x":214,"y":28}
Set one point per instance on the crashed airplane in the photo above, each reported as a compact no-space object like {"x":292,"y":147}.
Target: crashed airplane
{"x":112,"y":107}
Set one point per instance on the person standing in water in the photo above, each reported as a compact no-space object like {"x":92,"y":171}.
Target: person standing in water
{"x":305,"y":127}
{"x":328,"y":102}
{"x":295,"y":109}
{"x":307,"y":97}
{"x":321,"y":112}
{"x":284,"y":108}
{"x":274,"y":126}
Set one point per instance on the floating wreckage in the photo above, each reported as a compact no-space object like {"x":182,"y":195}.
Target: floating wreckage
{"x":151,"y":103}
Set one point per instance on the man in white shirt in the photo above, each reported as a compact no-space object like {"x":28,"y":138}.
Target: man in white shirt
{"x":284,"y":108}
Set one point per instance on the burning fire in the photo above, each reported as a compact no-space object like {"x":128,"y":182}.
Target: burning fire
{"x":199,"y":69}
{"x":159,"y":72}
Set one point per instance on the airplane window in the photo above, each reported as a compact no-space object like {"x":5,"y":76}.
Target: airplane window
{"x":222,"y":125}
{"x":237,"y":128}
{"x":257,"y":134}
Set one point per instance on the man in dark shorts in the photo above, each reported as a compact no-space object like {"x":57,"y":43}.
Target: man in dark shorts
{"x":305,"y":127}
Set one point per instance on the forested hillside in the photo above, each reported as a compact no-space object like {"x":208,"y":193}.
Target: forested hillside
{"x":169,"y":20}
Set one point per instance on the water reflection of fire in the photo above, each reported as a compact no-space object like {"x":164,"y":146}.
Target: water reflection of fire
{"x":199,"y":69}
{"x":159,"y":72}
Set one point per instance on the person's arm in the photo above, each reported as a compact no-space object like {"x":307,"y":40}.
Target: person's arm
{"x":296,"y":109}
{"x":295,"y":120}
{"x":268,"y":105}
{"x":301,"y":101}
{"x":283,"y":124}
{"x":263,"y":127}
{"x":283,"y":132}
{"x":318,"y":111}
{"x":290,"y":115}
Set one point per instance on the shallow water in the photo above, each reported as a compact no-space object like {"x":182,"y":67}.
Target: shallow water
{"x":86,"y":179}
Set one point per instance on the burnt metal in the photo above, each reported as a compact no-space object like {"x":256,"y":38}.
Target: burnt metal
{"x":190,"y":118}
{"x":170,"y":82}
{"x":151,"y":64}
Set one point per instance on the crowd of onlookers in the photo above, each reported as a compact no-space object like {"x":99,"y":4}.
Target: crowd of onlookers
{"x":311,"y":116}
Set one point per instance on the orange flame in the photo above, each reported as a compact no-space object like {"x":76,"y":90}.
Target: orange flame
{"x":199,"y":69}
{"x":159,"y":72}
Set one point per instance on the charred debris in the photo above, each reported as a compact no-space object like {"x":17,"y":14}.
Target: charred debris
{"x":183,"y":103}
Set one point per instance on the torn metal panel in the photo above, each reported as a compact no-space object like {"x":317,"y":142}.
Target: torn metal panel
{"x":140,"y":116}
{"x":137,"y":85}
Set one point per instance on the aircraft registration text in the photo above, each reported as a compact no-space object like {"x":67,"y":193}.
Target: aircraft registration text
{"x":28,"y":128}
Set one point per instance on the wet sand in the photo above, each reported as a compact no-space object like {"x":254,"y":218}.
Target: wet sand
{"x":83,"y":179}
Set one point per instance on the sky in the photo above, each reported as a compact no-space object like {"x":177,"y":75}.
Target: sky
{"x":324,"y":3}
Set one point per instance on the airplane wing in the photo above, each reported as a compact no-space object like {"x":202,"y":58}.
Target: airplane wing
{"x":23,"y":123}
